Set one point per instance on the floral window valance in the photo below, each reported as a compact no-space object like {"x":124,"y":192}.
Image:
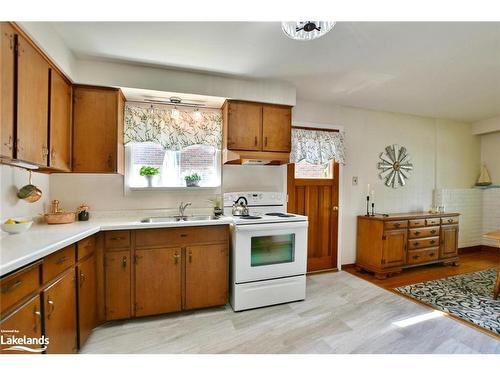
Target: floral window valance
{"x":172,"y":132}
{"x":317,"y":146}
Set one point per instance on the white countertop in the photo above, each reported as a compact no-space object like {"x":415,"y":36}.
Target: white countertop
{"x":18,"y":250}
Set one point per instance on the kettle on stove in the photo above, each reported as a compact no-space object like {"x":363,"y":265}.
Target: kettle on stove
{"x":240,"y":207}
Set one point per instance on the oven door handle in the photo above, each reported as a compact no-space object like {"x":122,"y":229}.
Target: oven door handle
{"x":270,"y":226}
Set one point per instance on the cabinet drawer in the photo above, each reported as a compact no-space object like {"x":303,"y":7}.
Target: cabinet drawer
{"x":417,"y":223}
{"x":396,"y":224}
{"x":449,"y":220}
{"x":422,"y":256}
{"x":423,"y":232}
{"x":117,"y":239}
{"x":423,"y":242}
{"x":58,"y":262}
{"x":21,"y":284}
{"x":434,"y":221}
{"x":180,"y":236}
{"x":85,"y":247}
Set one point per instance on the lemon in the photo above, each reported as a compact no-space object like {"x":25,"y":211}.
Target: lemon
{"x":10,"y":221}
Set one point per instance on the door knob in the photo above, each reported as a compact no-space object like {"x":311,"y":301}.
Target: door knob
{"x":335,"y":208}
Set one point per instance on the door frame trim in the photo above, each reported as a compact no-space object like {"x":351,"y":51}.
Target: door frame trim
{"x":340,"y":237}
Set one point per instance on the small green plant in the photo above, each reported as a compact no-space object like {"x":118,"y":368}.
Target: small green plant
{"x":149,"y":171}
{"x":192,"y":178}
{"x":216,"y":202}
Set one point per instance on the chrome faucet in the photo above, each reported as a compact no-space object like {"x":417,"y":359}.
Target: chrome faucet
{"x":182,"y":208}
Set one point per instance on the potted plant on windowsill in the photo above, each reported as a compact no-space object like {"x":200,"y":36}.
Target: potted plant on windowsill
{"x":149,"y":172}
{"x":192,"y":179}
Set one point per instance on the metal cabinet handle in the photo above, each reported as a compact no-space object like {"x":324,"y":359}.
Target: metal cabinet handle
{"x":450,"y":220}
{"x":176,"y":258}
{"x":432,"y":242}
{"x":52,"y":307}
{"x":433,"y":231}
{"x":431,"y":254}
{"x":117,"y":238}
{"x":397,"y":225}
{"x":82,"y":279}
{"x":416,"y":256}
{"x":416,"y":243}
{"x":124,"y":262}
{"x":53,"y":154}
{"x":8,"y":144}
{"x":417,"y":233}
{"x":190,"y":256}
{"x":11,"y":286}
{"x":61,"y":260}
{"x":184,"y":235}
{"x":255,"y":142}
{"x":38,"y":316}
{"x":265,"y":141}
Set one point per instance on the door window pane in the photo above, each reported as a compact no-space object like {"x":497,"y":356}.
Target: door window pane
{"x":303,"y":169}
{"x":276,"y":249}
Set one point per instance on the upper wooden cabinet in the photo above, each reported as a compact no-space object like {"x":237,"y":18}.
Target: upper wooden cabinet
{"x":60,"y":123}
{"x":32,"y":105}
{"x":98,"y":130}
{"x":264,"y":130}
{"x":7,"y":58}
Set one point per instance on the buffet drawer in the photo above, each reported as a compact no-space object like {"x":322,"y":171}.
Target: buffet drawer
{"x":434,"y":221}
{"x":56,"y":263}
{"x":423,"y":255}
{"x":449,"y":220}
{"x":20,"y":284}
{"x":417,"y":223}
{"x":396,"y":224}
{"x":421,"y":243}
{"x":423,"y":232}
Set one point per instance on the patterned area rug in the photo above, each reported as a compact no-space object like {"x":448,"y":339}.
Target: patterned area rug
{"x":468,"y":296}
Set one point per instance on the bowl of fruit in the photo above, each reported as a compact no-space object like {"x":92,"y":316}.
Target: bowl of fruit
{"x":17,"y":225}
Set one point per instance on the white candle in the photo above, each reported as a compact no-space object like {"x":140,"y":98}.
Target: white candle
{"x":373,"y":195}
{"x":368,"y":190}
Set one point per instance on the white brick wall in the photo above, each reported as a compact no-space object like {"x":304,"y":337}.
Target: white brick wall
{"x":479,"y":209}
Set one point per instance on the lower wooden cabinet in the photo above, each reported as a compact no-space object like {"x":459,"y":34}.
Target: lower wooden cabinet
{"x":59,"y":301}
{"x":206,"y":276}
{"x":158,"y":279}
{"x":25,"y":321}
{"x":449,"y":241}
{"x":117,"y":284}
{"x":394,"y":248}
{"x":87,"y":298}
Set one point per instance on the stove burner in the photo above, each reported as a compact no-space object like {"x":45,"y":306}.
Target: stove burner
{"x":250,"y":217}
{"x":279,"y":214}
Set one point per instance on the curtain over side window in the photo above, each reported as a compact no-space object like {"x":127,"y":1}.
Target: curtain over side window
{"x":317,"y":146}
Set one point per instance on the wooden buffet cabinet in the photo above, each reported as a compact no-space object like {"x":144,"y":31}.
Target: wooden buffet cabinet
{"x":387,"y":244}
{"x":115,"y":275}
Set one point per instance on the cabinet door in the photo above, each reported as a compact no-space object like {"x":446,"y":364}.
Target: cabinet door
{"x":32,"y":105}
{"x":276,"y":128}
{"x":7,"y":57}
{"x":206,"y":276}
{"x":24,"y":322}
{"x":449,"y":241}
{"x":394,"y":247}
{"x":157,"y":281}
{"x":244,"y":126}
{"x":60,"y":123}
{"x":117,"y":284}
{"x":87,"y":298}
{"x":95,"y":129}
{"x":60,"y":315}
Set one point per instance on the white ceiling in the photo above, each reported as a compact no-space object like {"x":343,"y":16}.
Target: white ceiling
{"x":445,"y":70}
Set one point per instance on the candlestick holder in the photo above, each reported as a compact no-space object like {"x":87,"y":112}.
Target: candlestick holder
{"x":367,"y":205}
{"x":373,"y":209}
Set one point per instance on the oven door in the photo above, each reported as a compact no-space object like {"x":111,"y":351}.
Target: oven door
{"x":268,"y":251}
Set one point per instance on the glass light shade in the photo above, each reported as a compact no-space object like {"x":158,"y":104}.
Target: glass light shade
{"x":175,"y":114}
{"x":306,"y":30}
{"x":197,"y":115}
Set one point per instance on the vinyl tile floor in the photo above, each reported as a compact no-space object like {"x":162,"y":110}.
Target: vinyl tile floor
{"x":341,"y":314}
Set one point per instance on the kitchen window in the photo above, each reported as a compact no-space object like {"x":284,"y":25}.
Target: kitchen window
{"x":172,"y":143}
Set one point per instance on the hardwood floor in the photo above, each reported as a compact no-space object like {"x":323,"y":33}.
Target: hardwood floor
{"x":470,"y":262}
{"x":341,"y":314}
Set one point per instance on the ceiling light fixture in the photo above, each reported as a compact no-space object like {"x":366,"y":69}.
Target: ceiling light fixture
{"x":175,"y":113}
{"x":306,"y":30}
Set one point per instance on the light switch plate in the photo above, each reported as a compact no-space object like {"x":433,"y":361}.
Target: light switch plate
{"x":355,"y":180}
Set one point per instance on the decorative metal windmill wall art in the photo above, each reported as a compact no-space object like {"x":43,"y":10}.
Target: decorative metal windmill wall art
{"x":395,"y":166}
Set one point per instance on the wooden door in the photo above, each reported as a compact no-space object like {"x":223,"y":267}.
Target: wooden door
{"x":26,"y":321}
{"x":95,"y":129}
{"x":87,"y":298}
{"x":117,"y":284}
{"x":394,"y":248}
{"x":244,"y":126}
{"x":7,"y":78}
{"x":206,"y":276}
{"x":60,"y":315}
{"x":32,"y":105}
{"x":318,"y":199}
{"x":158,"y":281}
{"x":449,"y":241}
{"x":60,"y":123}
{"x":276,"y":128}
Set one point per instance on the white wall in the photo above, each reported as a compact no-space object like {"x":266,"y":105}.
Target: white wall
{"x":254,"y":178}
{"x":486,"y":126}
{"x":437,"y":151}
{"x":11,"y":179}
{"x":490,"y":154}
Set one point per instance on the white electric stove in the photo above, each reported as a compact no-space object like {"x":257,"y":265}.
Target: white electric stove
{"x":269,"y":252}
